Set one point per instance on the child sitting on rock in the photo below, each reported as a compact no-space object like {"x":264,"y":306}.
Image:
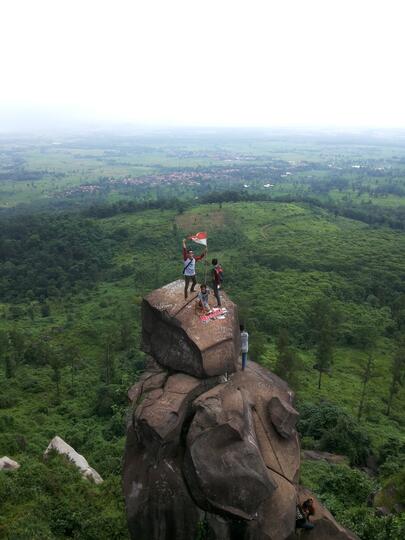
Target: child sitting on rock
{"x":202,"y":301}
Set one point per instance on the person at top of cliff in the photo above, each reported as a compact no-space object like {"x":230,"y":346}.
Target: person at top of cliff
{"x":244,"y":345}
{"x":203,"y":299}
{"x":189,"y":260}
{"x":303,"y":513}
{"x":217,"y":276}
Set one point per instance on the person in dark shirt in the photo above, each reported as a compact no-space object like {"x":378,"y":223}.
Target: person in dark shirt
{"x":216,"y":281}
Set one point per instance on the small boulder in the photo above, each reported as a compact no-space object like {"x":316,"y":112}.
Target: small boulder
{"x":59,"y":445}
{"x":317,"y":455}
{"x":7,"y":464}
{"x":382,"y":511}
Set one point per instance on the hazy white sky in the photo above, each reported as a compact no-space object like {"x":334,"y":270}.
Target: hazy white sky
{"x":215,"y":62}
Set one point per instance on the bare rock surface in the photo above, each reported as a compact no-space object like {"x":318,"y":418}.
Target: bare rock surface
{"x":59,"y":445}
{"x":148,"y":381}
{"x":226,"y":480}
{"x":205,"y":450}
{"x":160,"y":416}
{"x":7,"y":464}
{"x":174,"y":335}
{"x":283,"y":417}
{"x":230,"y":463}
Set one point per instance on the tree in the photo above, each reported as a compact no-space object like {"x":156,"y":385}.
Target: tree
{"x":72,"y":358}
{"x":108,"y":362}
{"x":175,"y":230}
{"x":366,"y":337}
{"x":5,"y":354}
{"x":334,"y":430}
{"x":288,"y":361}
{"x":45,"y":310}
{"x":366,"y":376}
{"x":397,"y":375}
{"x":56,"y":362}
{"x":324,"y":321}
{"x":18,"y":345}
{"x":126,"y":337}
{"x":325,"y":350}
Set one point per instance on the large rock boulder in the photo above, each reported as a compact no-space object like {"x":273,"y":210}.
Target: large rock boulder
{"x":226,"y":480}
{"x":207,"y":450}
{"x":211,"y":451}
{"x":58,"y":445}
{"x":7,"y":464}
{"x":173,"y":333}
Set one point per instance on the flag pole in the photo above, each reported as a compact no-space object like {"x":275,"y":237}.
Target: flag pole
{"x":206,"y":264}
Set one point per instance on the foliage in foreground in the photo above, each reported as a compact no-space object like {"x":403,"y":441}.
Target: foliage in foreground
{"x":49,"y":500}
{"x":345,"y":492}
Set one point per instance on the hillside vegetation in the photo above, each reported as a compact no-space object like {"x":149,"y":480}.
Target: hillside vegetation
{"x":321,"y":292}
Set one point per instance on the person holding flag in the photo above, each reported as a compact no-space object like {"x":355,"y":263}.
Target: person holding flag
{"x":189,"y":261}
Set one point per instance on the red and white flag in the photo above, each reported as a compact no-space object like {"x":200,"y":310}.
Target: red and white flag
{"x":199,"y":238}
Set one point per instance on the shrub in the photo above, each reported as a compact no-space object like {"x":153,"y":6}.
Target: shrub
{"x":335,"y":430}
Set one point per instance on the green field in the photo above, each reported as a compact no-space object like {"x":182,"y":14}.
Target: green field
{"x":72,"y":278}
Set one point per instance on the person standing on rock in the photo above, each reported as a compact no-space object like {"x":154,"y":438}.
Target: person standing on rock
{"x":244,"y":343}
{"x":217,"y":278}
{"x":189,"y":268}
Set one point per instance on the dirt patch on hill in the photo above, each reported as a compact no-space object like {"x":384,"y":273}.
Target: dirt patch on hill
{"x":192,"y":222}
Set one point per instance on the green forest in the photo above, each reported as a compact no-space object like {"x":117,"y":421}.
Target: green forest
{"x":315,"y":262}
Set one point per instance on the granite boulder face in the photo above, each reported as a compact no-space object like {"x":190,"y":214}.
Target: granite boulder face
{"x":212,"y":451}
{"x":174,"y":336}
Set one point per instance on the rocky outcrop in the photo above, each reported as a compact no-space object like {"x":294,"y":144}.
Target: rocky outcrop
{"x":176,"y":337}
{"x":58,"y":445}
{"x":7,"y":464}
{"x":209,"y":447}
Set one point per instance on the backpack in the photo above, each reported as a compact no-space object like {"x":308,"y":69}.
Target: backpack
{"x":218,"y":273}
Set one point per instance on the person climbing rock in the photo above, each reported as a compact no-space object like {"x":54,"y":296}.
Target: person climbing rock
{"x":303,"y":513}
{"x":217,"y":276}
{"x":189,"y":268}
{"x":244,"y":342}
{"x":202,"y":301}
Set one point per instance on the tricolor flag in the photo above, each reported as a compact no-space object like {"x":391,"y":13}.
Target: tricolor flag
{"x":199,"y":238}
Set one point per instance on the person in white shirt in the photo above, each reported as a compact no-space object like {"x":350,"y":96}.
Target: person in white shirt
{"x":244,"y":345}
{"x":189,"y":260}
{"x":203,"y":299}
